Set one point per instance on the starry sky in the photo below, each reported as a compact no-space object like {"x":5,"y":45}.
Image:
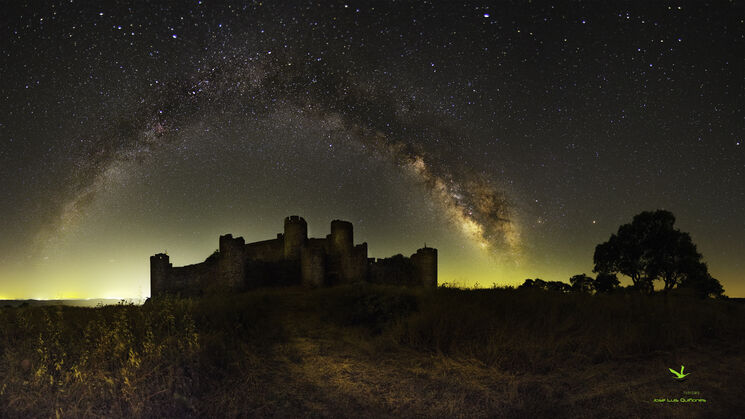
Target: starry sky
{"x":512,"y":136}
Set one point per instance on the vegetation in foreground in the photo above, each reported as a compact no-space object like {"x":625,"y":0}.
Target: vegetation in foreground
{"x":375,"y":352}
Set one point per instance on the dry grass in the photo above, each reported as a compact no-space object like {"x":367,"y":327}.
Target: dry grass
{"x":374,"y":352}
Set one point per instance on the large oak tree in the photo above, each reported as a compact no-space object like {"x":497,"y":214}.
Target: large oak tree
{"x":650,"y":248}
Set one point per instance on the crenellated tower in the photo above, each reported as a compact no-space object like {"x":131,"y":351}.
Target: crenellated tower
{"x":425,"y":266}
{"x":296,"y":234}
{"x":231,"y":264}
{"x":342,"y":250}
{"x":160,"y":267}
{"x":342,"y":236}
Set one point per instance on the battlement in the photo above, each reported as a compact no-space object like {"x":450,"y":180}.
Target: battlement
{"x":296,"y":233}
{"x":427,"y":251}
{"x":159,"y":257}
{"x":295,"y":219}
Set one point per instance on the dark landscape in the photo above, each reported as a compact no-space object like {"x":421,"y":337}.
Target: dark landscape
{"x":90,"y":302}
{"x":376,"y":351}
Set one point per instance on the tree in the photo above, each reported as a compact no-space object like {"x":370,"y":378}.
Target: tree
{"x":606,"y":282}
{"x":537,"y":283}
{"x":622,"y":254}
{"x":540,"y":284}
{"x":557,"y":286}
{"x":528,"y":283}
{"x":702,"y":283}
{"x":671,"y":257}
{"x":649,"y":249}
{"x":581,"y":283}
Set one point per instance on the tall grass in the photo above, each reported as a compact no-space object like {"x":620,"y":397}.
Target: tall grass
{"x":219,"y":354}
{"x":535,"y":330}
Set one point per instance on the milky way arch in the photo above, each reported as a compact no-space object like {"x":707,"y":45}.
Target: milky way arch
{"x":257,"y":86}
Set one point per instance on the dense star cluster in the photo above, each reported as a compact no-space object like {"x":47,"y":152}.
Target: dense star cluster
{"x":514,"y":137}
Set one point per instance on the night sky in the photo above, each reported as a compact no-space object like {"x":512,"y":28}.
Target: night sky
{"x":514,"y":137}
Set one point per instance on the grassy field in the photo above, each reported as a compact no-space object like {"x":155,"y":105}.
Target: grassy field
{"x":376,"y":352}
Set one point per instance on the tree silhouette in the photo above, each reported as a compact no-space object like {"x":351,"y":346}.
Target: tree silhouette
{"x":606,"y":282}
{"x":581,"y":283}
{"x":701,"y":283}
{"x":621,"y":253}
{"x":540,"y":284}
{"x":558,"y":286}
{"x":651,"y":248}
{"x":537,"y":283}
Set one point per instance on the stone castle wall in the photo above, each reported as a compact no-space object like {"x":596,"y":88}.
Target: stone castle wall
{"x":266,"y":251}
{"x":291,"y":258}
{"x":313,"y":263}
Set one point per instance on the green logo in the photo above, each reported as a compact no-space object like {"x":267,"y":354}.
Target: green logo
{"x":679,"y":375}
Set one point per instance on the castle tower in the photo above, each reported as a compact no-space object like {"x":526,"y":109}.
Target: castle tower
{"x":342,"y":249}
{"x":425,"y":265}
{"x":342,"y":236}
{"x":232,"y":264}
{"x":160,"y":266}
{"x":296,"y":234}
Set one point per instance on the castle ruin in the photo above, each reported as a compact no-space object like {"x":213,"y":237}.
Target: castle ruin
{"x":291,"y":259}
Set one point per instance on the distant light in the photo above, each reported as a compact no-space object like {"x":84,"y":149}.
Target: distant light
{"x":486,"y":14}
{"x":174,"y":36}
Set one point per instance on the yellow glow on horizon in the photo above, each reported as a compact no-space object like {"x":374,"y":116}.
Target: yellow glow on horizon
{"x":118,"y":268}
{"x":69,"y":295}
